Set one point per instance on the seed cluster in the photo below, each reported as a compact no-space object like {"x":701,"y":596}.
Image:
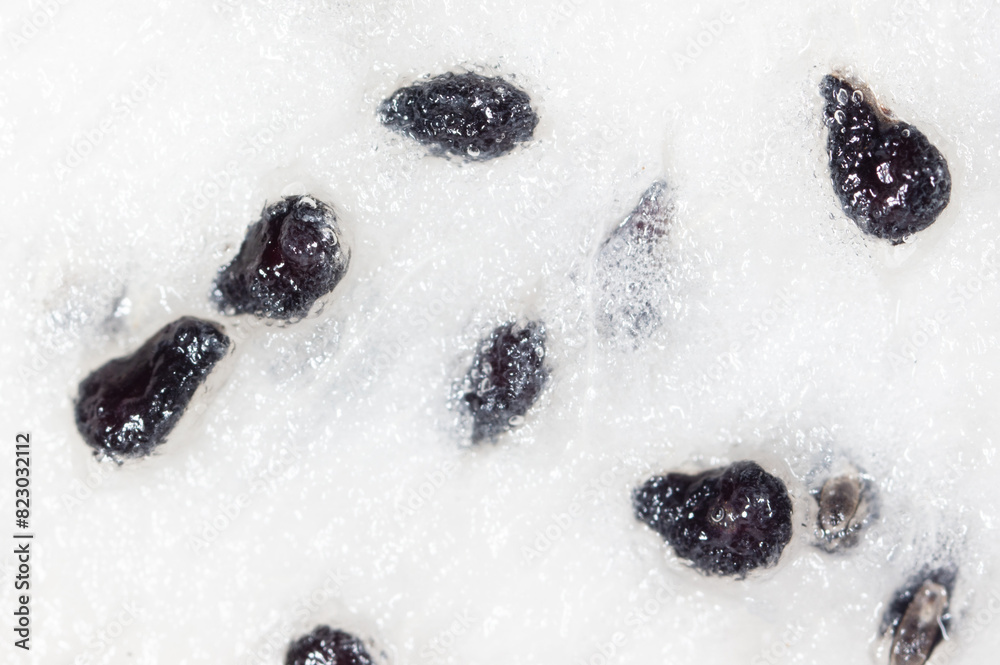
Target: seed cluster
{"x":727,"y":521}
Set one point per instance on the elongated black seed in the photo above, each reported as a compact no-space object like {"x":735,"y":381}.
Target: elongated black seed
{"x":630,"y":270}
{"x":725,"y":521}
{"x":289,"y":259}
{"x":463,"y":114}
{"x":888,"y":177}
{"x":129,"y":405}
{"x":326,"y":646}
{"x":506,"y":377}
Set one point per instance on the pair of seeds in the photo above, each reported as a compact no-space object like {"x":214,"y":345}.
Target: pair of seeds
{"x":888,"y":177}
{"x":732,"y":520}
{"x":127,"y":407}
{"x":289,"y":259}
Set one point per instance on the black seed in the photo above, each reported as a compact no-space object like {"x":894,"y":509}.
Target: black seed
{"x":916,"y":616}
{"x":630,"y":269}
{"x":128,"y":406}
{"x":326,"y":646}
{"x":725,"y":521}
{"x":505,"y":379}
{"x":290,"y":258}
{"x":463,"y":114}
{"x":888,"y":177}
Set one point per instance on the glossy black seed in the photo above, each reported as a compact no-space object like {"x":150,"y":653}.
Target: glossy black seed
{"x":326,"y":646}
{"x":129,"y":405}
{"x":506,"y":377}
{"x":463,"y":114}
{"x":888,"y":177}
{"x":726,"y":521}
{"x":290,"y":258}
{"x":916,"y":616}
{"x":630,"y":270}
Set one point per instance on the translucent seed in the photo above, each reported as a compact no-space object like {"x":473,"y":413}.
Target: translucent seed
{"x":919,"y":631}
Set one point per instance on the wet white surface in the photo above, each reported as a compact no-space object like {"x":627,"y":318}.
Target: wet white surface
{"x":321,"y":478}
